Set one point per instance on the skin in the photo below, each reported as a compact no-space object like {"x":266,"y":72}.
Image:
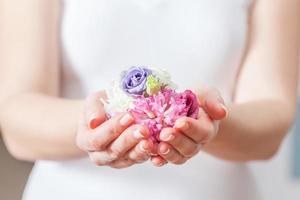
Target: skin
{"x":37,"y":124}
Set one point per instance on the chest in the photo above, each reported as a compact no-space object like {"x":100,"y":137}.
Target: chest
{"x":193,"y":39}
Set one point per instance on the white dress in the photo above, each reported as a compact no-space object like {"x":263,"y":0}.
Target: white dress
{"x":197,"y":41}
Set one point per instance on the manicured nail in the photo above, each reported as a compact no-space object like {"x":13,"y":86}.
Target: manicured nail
{"x":224,"y":108}
{"x":126,"y":120}
{"x":165,"y":150}
{"x":92,"y":121}
{"x":165,"y":137}
{"x":160,"y":164}
{"x":183,"y":125}
{"x":142,"y":148}
{"x":137,"y":134}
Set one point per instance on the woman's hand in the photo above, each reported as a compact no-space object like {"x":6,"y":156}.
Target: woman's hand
{"x":116,"y":142}
{"x":189,"y":135}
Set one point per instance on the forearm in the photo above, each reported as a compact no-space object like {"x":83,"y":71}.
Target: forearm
{"x":37,"y":126}
{"x":266,"y":91}
{"x":252,"y":131}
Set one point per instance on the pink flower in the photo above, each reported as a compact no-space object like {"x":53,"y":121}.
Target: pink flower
{"x":192,"y":104}
{"x":162,"y":110}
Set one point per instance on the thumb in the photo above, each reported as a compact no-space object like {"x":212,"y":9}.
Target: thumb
{"x":94,"y":110}
{"x":212,"y":102}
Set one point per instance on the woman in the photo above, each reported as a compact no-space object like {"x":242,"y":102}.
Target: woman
{"x":56,"y":53}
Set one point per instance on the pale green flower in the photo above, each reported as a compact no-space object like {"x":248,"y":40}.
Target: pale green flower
{"x":153,"y":85}
{"x":164,"y":77}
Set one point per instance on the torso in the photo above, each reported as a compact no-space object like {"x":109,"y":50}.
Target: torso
{"x":197,"y":41}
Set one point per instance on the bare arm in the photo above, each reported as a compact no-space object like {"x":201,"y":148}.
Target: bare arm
{"x":265,"y":96}
{"x":266,"y":93}
{"x":35,"y":123}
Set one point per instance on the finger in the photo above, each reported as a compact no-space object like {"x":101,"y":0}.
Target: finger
{"x":183,"y":144}
{"x":120,"y":164}
{"x":99,"y":138}
{"x":212,"y":102}
{"x":101,"y":158}
{"x":170,"y":154}
{"x":94,"y":111}
{"x":215,"y":109}
{"x":128,"y":139}
{"x":158,"y":161}
{"x":141,"y":152}
{"x":200,"y":131}
{"x":154,"y":149}
{"x":104,"y":159}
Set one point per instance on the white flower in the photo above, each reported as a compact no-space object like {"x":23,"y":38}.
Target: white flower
{"x":163,"y":77}
{"x":118,"y":101}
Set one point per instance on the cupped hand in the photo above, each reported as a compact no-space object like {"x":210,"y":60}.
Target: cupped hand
{"x":115,"y":142}
{"x":188,"y":136}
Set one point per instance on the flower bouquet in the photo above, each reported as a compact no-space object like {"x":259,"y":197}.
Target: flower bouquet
{"x":150,"y":96}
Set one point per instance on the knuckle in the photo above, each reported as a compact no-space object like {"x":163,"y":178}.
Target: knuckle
{"x":96,"y":144}
{"x":115,"y":128}
{"x":115,"y":154}
{"x":177,"y":141}
{"x":96,"y":161}
{"x":142,"y":157}
{"x":127,"y":138}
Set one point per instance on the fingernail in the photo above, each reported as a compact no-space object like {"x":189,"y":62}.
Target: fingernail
{"x":142,"y":148}
{"x":126,"y":120}
{"x":92,"y":121}
{"x":160,"y":164}
{"x":137,"y":134}
{"x":183,"y":125}
{"x":165,"y":150}
{"x":224,"y":108}
{"x":166,"y":137}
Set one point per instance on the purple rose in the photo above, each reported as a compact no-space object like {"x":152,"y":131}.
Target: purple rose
{"x":192,"y":105}
{"x":134,"y":80}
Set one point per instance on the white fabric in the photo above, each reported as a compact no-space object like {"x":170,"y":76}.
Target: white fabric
{"x":197,"y":41}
